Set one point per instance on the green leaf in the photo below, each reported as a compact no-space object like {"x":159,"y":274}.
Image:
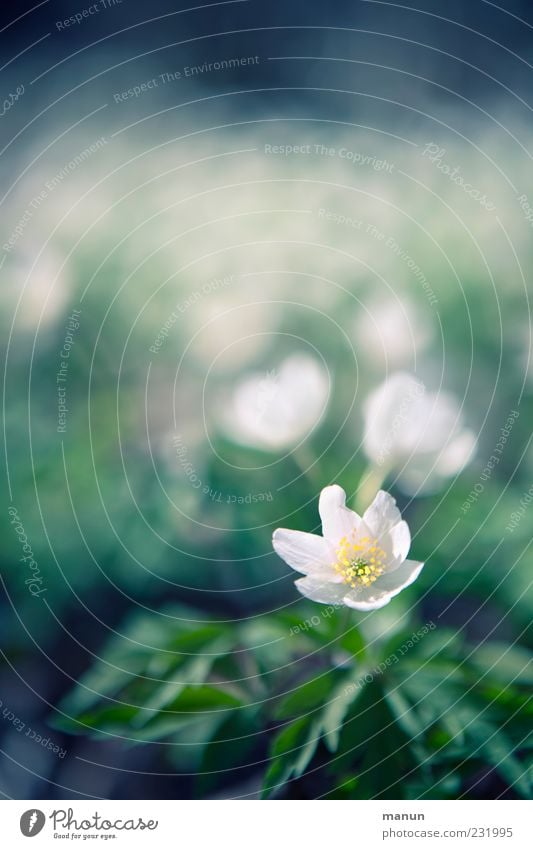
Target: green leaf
{"x":404,"y":714}
{"x":384,"y":755}
{"x":419,"y":787}
{"x":353,"y":642}
{"x":194,"y":670}
{"x":291,"y":752}
{"x":496,"y":749}
{"x":306,"y":697}
{"x":343,"y":697}
{"x":232,"y":745}
{"x":146,"y":670}
{"x":504,"y":663}
{"x":108,"y":720}
{"x":202,"y":697}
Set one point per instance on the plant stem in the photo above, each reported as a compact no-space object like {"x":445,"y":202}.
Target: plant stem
{"x":344,"y":622}
{"x":371,"y":481}
{"x":306,"y":463}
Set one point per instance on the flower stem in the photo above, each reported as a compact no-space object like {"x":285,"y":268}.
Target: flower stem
{"x":370,"y":483}
{"x":344,"y":622}
{"x":306,"y":464}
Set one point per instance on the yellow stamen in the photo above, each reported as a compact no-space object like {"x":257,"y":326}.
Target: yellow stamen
{"x":359,"y":561}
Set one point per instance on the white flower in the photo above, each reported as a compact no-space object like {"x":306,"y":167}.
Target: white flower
{"x":228,"y":325}
{"x":418,"y":435}
{"x":276,"y":409}
{"x":359,"y":562}
{"x":391,"y":331}
{"x":42,"y":287}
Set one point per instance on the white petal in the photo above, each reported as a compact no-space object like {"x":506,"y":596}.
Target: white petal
{"x":275,"y":410}
{"x":418,"y":476}
{"x":385,"y":588}
{"x":419,"y":434}
{"x":425,"y":474}
{"x":456,"y":454}
{"x":337,"y":519}
{"x":390,"y":412}
{"x":400,"y":540}
{"x":357,"y":604}
{"x":318,"y":589}
{"x":382,"y":515}
{"x":394,"y":582}
{"x":303,"y":552}
{"x":437,"y":414}
{"x":392,"y":330}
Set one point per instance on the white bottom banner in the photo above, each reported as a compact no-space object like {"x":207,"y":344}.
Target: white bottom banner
{"x":236,"y":824}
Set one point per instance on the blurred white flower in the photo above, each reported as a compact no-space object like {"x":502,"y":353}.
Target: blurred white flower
{"x":359,"y":562}
{"x":229,"y":325}
{"x":42,"y":287}
{"x":417,"y":435}
{"x":277,"y":409}
{"x":391,"y":331}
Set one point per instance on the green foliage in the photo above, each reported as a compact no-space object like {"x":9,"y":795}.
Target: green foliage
{"x":430,"y":722}
{"x":152,"y":677}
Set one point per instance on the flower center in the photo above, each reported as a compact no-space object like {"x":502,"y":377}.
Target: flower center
{"x":360,"y":562}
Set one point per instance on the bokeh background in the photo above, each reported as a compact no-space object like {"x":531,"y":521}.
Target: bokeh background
{"x":222,"y":229}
